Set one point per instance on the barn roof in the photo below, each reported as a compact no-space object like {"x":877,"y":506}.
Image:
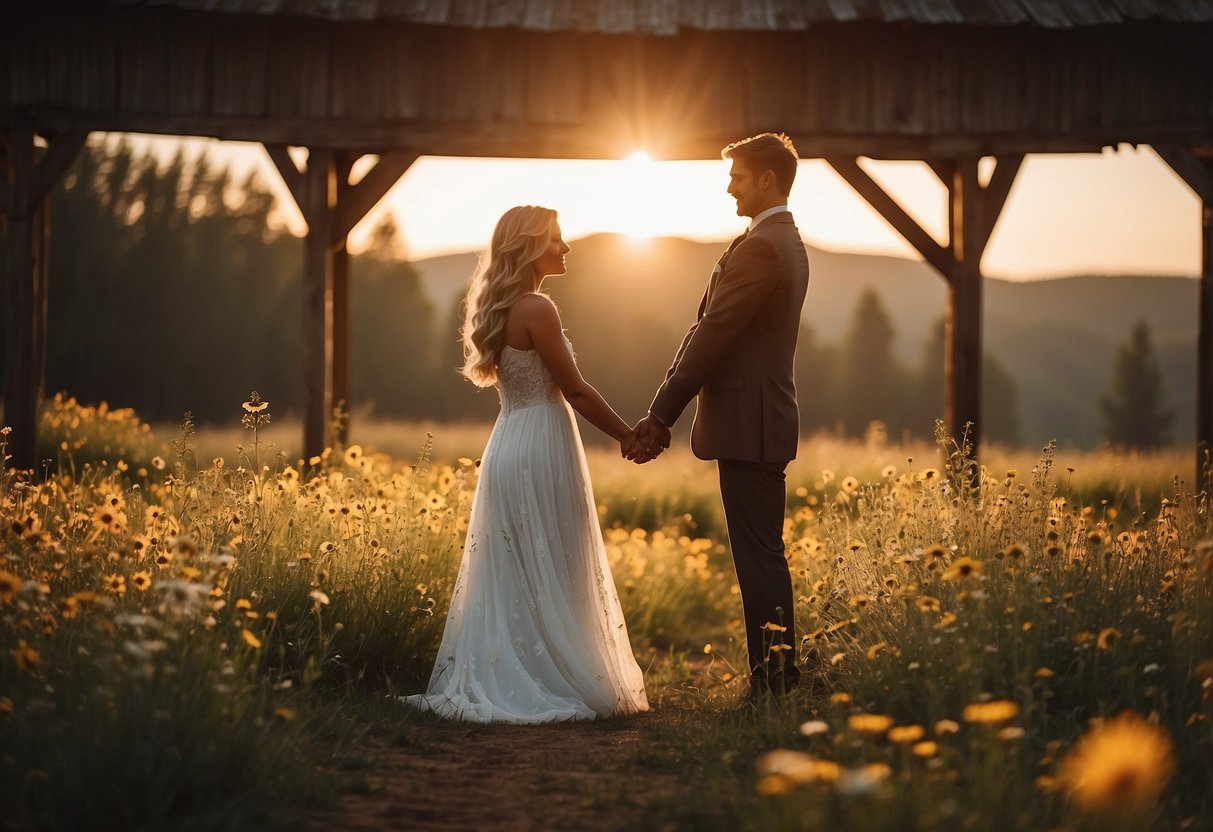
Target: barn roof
{"x":668,"y":17}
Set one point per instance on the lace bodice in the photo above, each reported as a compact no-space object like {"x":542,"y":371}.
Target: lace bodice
{"x":524,"y":381}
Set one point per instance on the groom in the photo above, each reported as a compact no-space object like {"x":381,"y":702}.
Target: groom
{"x":737,"y":358}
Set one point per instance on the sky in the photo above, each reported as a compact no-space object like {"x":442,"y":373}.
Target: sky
{"x":1120,"y":212}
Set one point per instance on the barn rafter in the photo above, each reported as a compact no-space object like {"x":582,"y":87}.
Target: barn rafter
{"x":947,"y":82}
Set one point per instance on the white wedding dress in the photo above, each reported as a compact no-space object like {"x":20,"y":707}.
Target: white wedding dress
{"x":535,"y":631}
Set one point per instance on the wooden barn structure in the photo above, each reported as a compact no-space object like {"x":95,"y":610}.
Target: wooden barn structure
{"x":947,"y":82}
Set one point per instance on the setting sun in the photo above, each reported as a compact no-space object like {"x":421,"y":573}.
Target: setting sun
{"x":634,"y":199}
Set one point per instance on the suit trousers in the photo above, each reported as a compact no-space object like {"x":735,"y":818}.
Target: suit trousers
{"x":754,"y":496}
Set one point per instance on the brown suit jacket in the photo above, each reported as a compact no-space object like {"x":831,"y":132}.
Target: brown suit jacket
{"x":737,"y":357}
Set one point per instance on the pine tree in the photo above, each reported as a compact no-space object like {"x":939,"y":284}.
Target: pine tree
{"x":870,"y":383}
{"x":999,"y":397}
{"x":1133,"y":412}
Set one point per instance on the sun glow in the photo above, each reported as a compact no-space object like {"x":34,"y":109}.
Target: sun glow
{"x":636,"y":198}
{"x":1119,"y":212}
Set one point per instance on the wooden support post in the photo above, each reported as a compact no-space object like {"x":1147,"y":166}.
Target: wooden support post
{"x":20,"y":403}
{"x":1195,"y":167}
{"x":973,"y":212}
{"x":25,"y":200}
{"x":341,"y":309}
{"x":962,"y":359}
{"x":341,"y":340}
{"x":321,"y":197}
{"x":1204,"y":342}
{"x":332,"y":207}
{"x":40,"y":228}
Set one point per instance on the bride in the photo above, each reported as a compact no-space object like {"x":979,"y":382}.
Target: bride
{"x":535,"y":632}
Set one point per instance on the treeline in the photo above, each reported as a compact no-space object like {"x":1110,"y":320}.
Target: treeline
{"x":171,"y":291}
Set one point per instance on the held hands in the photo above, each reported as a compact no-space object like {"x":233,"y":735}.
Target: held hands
{"x":649,"y":438}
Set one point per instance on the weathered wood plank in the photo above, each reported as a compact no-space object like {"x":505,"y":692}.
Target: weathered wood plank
{"x":1047,"y":13}
{"x":774,"y":76}
{"x":239,"y":70}
{"x":562,"y":95}
{"x":298,"y":71}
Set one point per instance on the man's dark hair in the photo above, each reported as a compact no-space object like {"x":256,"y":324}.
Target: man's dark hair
{"x":767,"y":151}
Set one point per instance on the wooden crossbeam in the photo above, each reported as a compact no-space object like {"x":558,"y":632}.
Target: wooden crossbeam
{"x":1189,"y":167}
{"x":993,"y":196}
{"x":357,"y":200}
{"x":295,"y":181}
{"x":62,"y":149}
{"x":876,"y":196}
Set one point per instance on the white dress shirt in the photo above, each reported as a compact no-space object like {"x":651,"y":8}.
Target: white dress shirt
{"x":770,"y":212}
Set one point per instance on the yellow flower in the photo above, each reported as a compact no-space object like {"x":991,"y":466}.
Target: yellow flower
{"x":250,"y":639}
{"x":889,"y":471}
{"x":255,"y":406}
{"x":285,"y":714}
{"x":870,"y":723}
{"x":10,"y":585}
{"x":108,"y":519}
{"x":850,"y":485}
{"x":840,"y":698}
{"x":927,"y":603}
{"x":1108,"y":637}
{"x":26,"y":657}
{"x":934,"y":552}
{"x":142,"y":581}
{"x":1015,"y":551}
{"x":991,"y":713}
{"x":783,"y":770}
{"x":962,"y":568}
{"x":924,"y":749}
{"x":115,"y":585}
{"x":1122,"y":763}
{"x":906,"y":733}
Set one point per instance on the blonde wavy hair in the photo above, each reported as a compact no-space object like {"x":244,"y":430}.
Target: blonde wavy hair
{"x":505,"y":274}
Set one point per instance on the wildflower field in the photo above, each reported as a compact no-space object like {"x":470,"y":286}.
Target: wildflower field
{"x":194,"y":638}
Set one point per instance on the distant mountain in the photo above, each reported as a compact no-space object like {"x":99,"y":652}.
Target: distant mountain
{"x":1057,"y":338}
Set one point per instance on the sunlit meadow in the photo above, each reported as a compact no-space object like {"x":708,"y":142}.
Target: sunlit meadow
{"x":192,"y":624}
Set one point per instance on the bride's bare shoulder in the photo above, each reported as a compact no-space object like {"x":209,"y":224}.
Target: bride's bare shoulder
{"x":534,"y":309}
{"x":531,"y":314}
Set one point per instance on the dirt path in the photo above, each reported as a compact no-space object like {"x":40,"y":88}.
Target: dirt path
{"x":577,"y":776}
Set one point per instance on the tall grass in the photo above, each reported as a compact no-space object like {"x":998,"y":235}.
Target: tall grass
{"x":189,"y":636}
